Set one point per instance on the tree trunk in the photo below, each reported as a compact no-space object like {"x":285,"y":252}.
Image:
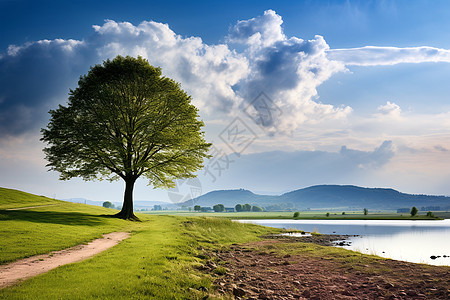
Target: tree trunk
{"x":127,"y":208}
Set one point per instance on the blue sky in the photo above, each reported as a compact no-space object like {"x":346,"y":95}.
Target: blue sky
{"x":358,"y":89}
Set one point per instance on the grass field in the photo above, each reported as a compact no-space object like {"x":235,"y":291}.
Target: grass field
{"x":158,"y":261}
{"x":315,"y":215}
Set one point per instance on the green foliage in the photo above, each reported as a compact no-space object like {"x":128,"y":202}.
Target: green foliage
{"x":430,"y":214}
{"x":125,"y":120}
{"x":365,"y":211}
{"x":219,"y":208}
{"x":296,"y":214}
{"x":327,"y":214}
{"x":247,"y":207}
{"x":197,"y":208}
{"x":414,"y":211}
{"x":239,"y":207}
{"x":256,"y":208}
{"x":108,"y":204}
{"x":343,"y":213}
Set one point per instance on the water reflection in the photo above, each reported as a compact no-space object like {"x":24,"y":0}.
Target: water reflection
{"x":413,"y":241}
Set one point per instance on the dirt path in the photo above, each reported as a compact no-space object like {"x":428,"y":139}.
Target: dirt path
{"x":32,"y":266}
{"x":255,"y":272}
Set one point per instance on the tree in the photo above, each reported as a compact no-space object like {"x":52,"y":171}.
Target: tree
{"x":247,"y":207}
{"x":238,"y":207}
{"x":108,"y":204}
{"x":256,"y":208}
{"x":366,"y":212}
{"x":414,"y":211}
{"x":157,"y":207}
{"x":197,"y":208}
{"x":219,"y":208}
{"x":125,"y":120}
{"x":296,"y":214}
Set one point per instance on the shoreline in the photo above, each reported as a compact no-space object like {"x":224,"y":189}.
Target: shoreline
{"x":309,"y":268}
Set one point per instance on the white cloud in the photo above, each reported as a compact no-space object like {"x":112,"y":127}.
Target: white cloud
{"x":381,"y":56}
{"x":262,"y":31}
{"x":389,"y":109}
{"x":220,"y":79}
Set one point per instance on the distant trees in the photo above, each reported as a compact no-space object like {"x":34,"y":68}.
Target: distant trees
{"x":430,"y":214}
{"x":197,"y":208}
{"x":366,"y":212}
{"x":247,"y":207}
{"x":219,"y":208}
{"x":256,"y":208}
{"x":296,"y":214}
{"x":157,"y":207}
{"x":108,"y":204}
{"x":414,"y":211}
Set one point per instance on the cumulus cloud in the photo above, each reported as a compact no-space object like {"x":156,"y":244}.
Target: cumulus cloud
{"x":223,"y":78}
{"x":389,"y":109}
{"x":382,"y":56}
{"x":34,"y":77}
{"x":287,"y":70}
{"x":261,"y":31}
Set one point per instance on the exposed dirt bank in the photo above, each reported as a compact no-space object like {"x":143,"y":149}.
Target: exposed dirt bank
{"x":35,"y":265}
{"x":258,"y":271}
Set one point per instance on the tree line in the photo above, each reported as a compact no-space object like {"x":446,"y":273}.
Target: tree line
{"x":237,"y":208}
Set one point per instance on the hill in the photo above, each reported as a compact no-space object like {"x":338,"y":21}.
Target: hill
{"x":10,"y":198}
{"x":325,"y":197}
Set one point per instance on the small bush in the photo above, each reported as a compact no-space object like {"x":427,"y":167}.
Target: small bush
{"x":327,"y":214}
{"x":343,"y":213}
{"x":296,"y":214}
{"x":430,"y":214}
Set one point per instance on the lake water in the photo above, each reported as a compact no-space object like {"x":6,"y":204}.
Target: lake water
{"x":413,"y":241}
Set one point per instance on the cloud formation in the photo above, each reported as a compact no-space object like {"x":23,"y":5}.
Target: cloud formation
{"x":383,"y":56}
{"x":36,"y":76}
{"x":223,"y":78}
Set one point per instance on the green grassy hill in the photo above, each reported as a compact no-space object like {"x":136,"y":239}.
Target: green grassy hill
{"x":158,"y":261}
{"x":10,"y":198}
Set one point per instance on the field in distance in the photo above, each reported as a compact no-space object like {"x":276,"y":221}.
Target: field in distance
{"x":316,"y":215}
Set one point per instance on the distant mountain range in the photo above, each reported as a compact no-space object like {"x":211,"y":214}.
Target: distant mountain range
{"x":324,"y":197}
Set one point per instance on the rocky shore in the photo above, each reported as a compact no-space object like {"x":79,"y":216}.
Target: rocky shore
{"x":260,"y":270}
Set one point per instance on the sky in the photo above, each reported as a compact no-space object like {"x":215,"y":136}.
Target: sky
{"x":292,"y":93}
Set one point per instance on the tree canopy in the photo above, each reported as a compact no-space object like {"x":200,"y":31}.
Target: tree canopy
{"x":126,"y":120}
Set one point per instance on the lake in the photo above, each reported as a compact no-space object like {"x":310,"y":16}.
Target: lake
{"x":413,"y":241}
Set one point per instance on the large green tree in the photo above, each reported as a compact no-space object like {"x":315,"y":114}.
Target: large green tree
{"x":126,"y":120}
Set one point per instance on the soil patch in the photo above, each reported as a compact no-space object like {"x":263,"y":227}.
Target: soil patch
{"x":35,"y":265}
{"x":254,"y":272}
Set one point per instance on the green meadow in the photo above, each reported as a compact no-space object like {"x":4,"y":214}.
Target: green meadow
{"x":158,"y":261}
